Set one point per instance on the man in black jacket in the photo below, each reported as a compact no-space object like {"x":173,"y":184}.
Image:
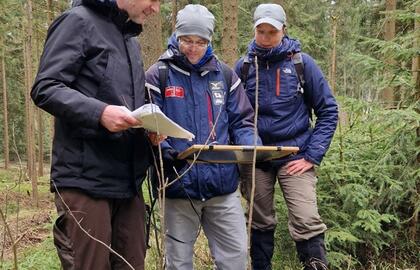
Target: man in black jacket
{"x":91,"y":67}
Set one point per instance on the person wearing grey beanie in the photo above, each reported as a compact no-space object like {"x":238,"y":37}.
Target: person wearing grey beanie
{"x":203,"y":95}
{"x":194,"y":20}
{"x":292,"y":87}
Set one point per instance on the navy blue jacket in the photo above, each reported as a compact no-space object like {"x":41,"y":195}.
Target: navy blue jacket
{"x":283,"y":116}
{"x":91,"y":59}
{"x":193,"y":99}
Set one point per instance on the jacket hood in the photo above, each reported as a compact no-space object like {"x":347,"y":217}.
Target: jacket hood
{"x":287,"y":47}
{"x":110,"y":9}
{"x":172,"y":53}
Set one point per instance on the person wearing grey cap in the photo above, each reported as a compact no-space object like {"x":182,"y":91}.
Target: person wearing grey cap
{"x":290,"y":85}
{"x":204,"y":96}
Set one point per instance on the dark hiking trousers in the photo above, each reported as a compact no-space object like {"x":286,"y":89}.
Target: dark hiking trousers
{"x":119,"y":223}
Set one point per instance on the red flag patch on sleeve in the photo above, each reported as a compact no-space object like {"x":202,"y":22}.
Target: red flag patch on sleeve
{"x":174,"y":91}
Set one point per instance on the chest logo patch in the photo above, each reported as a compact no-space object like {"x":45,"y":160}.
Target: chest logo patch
{"x":218,"y":97}
{"x":216,"y":85}
{"x":287,"y":70}
{"x":216,"y":88}
{"x":174,"y":91}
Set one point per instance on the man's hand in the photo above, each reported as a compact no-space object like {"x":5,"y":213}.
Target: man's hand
{"x":299,"y":166}
{"x":115,"y":118}
{"x":155,"y":139}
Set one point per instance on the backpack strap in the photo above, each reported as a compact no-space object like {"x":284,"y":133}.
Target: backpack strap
{"x":298,"y":62}
{"x":163,"y":70}
{"x":227,"y":75}
{"x":245,"y":70}
{"x":300,"y":67}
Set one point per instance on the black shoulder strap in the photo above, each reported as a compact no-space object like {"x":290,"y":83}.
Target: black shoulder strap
{"x":163,"y":77}
{"x":299,"y":67}
{"x":298,"y":62}
{"x":227,"y":74}
{"x":245,"y":70}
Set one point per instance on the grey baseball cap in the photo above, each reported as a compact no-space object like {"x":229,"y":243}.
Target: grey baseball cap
{"x":270,"y":13}
{"x":194,"y":20}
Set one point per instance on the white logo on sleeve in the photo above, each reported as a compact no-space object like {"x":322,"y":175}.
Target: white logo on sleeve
{"x":287,"y":70}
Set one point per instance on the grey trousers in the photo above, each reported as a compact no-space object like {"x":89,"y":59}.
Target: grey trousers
{"x":299,"y":193}
{"x":223,"y":222}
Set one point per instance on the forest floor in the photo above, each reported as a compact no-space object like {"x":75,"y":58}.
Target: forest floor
{"x":28,"y":225}
{"x":31,"y":230}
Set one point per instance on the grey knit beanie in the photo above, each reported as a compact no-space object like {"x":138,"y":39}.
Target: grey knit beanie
{"x":194,"y":20}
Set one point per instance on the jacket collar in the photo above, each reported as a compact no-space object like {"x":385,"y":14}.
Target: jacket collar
{"x":287,"y":48}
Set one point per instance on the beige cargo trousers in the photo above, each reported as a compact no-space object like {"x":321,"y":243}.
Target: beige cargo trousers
{"x":299,"y":192}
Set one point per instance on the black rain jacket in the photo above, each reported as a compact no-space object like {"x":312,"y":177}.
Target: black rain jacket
{"x":92,"y":59}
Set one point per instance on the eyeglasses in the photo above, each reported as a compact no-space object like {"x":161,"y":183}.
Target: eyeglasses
{"x":190,"y":43}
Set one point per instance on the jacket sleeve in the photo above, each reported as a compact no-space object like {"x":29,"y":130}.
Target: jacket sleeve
{"x":325,"y":108}
{"x":63,"y":56}
{"x":240,"y":114}
{"x":153,"y":92}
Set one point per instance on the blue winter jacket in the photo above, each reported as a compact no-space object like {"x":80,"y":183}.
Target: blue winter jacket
{"x":283,"y":115}
{"x":193,"y":98}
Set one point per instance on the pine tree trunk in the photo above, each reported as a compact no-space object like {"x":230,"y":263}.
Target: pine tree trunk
{"x":50,"y":16}
{"x":40,"y":120}
{"x":174,"y":12}
{"x":151,"y":40}
{"x":334,"y":55}
{"x":50,"y":11}
{"x":416,"y":77}
{"x":40,"y":142}
{"x":345,"y":80}
{"x":230,"y":32}
{"x":30,"y":152}
{"x":5,"y":111}
{"x":176,"y":6}
{"x":416,"y":58}
{"x":388,"y":96}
